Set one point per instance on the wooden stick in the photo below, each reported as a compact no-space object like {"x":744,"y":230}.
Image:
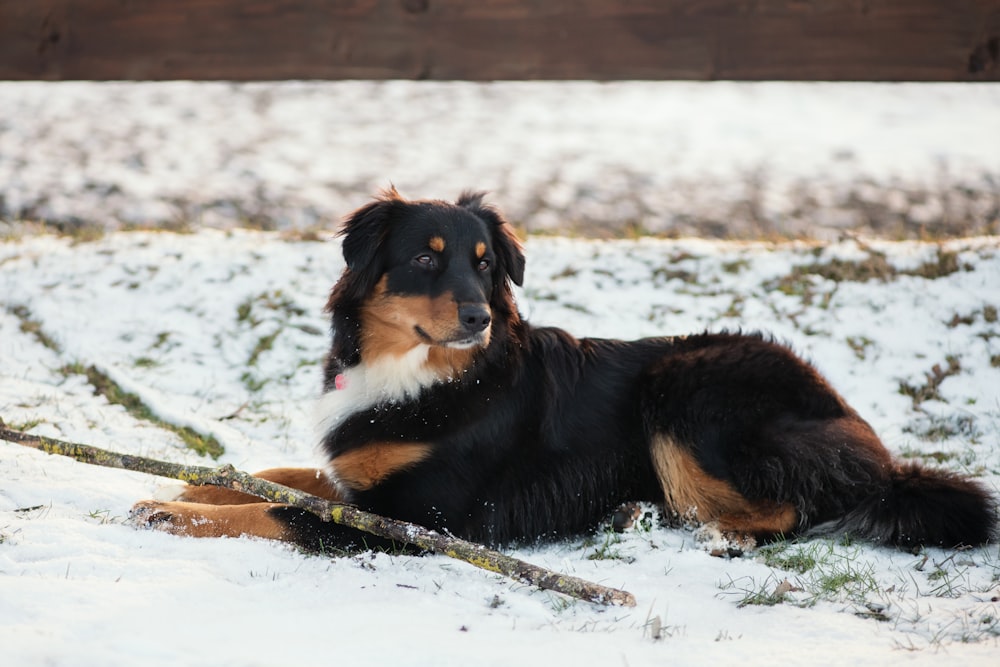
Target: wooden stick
{"x":229,"y":477}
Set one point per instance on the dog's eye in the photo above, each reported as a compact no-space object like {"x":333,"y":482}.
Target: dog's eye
{"x":425,"y":261}
{"x":483,"y":265}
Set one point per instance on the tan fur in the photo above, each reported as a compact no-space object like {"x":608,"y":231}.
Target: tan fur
{"x":199,"y":520}
{"x":436,"y":244}
{"x":480,"y":249}
{"x":310,"y":480}
{"x":216,"y":495}
{"x":692,"y":493}
{"x":363,"y":468}
{"x":763,"y":517}
{"x":389,"y":324}
{"x":688,"y":490}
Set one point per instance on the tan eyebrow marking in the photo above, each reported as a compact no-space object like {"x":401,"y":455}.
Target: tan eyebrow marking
{"x":480,"y":249}
{"x":436,"y":244}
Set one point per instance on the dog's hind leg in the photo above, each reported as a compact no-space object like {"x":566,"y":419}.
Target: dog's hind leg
{"x":743,"y":529}
{"x":726,"y":515}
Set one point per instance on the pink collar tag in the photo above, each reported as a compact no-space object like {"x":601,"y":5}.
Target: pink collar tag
{"x":340,"y":382}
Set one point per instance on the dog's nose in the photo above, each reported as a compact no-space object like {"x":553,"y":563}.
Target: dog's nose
{"x":474,"y":318}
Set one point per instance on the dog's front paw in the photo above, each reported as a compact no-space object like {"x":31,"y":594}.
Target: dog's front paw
{"x":155,"y":515}
{"x":722,"y":543}
{"x":625,"y":517}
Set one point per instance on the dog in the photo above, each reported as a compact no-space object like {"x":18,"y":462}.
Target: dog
{"x":443,"y":407}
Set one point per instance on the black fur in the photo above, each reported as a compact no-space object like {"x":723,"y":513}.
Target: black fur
{"x":543,"y":435}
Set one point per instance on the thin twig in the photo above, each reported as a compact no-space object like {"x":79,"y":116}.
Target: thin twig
{"x":229,"y":477}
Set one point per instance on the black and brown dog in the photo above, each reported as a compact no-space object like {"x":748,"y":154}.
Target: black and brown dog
{"x":443,"y":407}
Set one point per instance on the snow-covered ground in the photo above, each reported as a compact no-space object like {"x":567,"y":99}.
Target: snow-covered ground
{"x":720,"y":159}
{"x":176,"y":320}
{"x":222,"y":330}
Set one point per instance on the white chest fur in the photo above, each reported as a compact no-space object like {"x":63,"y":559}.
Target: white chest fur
{"x":365,"y":385}
{"x":384,"y":381}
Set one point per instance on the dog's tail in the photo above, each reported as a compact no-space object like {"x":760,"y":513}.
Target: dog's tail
{"x":922,"y":506}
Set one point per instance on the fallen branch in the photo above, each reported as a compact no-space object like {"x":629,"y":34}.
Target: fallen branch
{"x":229,"y":477}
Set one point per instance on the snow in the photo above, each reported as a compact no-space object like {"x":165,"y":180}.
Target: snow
{"x":83,"y":587}
{"x":181,"y":320}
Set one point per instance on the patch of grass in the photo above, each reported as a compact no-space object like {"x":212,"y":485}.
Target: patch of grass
{"x":580,"y":308}
{"x":537,"y":295}
{"x":847,"y":576}
{"x":683,"y":256}
{"x":277,"y":309}
{"x":735,"y":309}
{"x":736,"y":266}
{"x":666,"y":275}
{"x":308,"y":235}
{"x":936,"y":428}
{"x":243,"y":311}
{"x":308,"y":329}
{"x":824,"y":570}
{"x":73,"y":228}
{"x":788,"y":556}
{"x":988,"y":313}
{"x":766,"y":593}
{"x":795,"y":284}
{"x":273,"y":300}
{"x":938,"y":457}
{"x":874,"y":267}
{"x":206,"y":445}
{"x":277,"y":301}
{"x":32,"y":327}
{"x":568,"y":272}
{"x":264,"y":343}
{"x":958,"y":320}
{"x":106,"y":387}
{"x":146,"y":362}
{"x":609,"y":548}
{"x":87,"y":234}
{"x":26,"y":425}
{"x":929,"y":390}
{"x":945,"y":264}
{"x":559,"y":603}
{"x":162,"y":339}
{"x":949,"y":578}
{"x":860,"y":346}
{"x":253,"y":383}
{"x":986,"y":626}
{"x":103,"y":516}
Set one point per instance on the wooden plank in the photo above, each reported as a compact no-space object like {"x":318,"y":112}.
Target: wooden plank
{"x":861,"y":40}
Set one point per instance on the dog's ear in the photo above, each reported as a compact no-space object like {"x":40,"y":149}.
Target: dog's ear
{"x":508,"y":247}
{"x":366,"y":229}
{"x":505,"y":242}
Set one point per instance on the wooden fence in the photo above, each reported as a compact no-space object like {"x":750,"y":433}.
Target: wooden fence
{"x":243,"y":40}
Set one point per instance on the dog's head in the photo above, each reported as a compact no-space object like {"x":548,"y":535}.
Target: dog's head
{"x":425,"y":273}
